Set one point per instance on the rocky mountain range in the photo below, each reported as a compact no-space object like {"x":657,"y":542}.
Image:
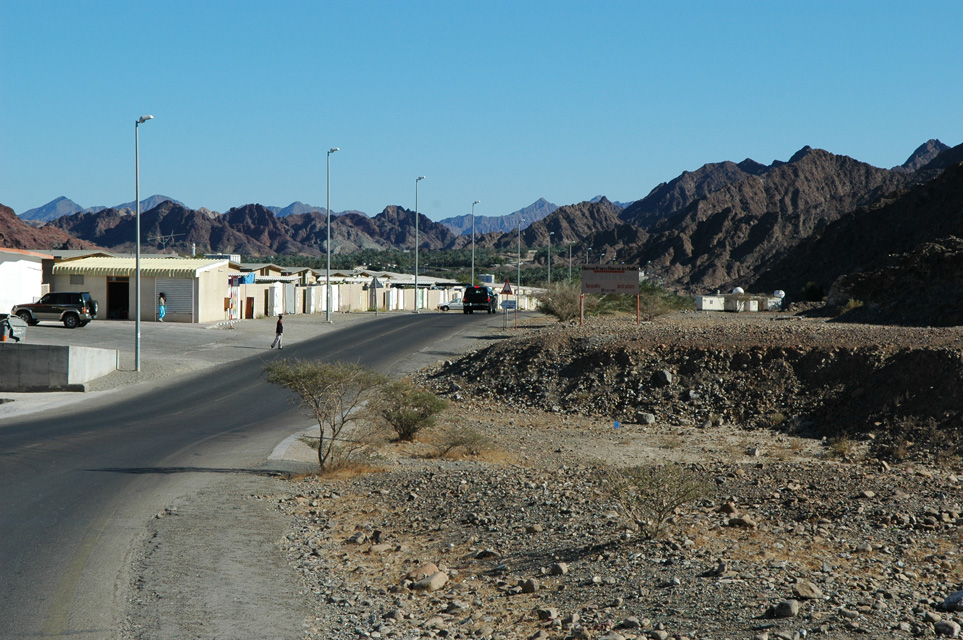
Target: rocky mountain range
{"x":62,"y":206}
{"x":253,"y":230}
{"x":461,"y":225}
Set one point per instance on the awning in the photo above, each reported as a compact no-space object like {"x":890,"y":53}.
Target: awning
{"x":149,"y":267}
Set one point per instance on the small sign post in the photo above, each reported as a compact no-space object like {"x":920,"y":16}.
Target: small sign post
{"x":507,"y":291}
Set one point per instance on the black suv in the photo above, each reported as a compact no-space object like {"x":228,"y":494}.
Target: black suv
{"x":73,"y":309}
{"x":481,"y":298}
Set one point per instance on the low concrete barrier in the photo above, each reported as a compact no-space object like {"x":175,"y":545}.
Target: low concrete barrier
{"x":40,"y":367}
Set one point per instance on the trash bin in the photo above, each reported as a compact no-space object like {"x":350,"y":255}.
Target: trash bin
{"x":12,"y":329}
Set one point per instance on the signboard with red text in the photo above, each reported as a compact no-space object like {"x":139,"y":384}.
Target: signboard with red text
{"x":610,"y":278}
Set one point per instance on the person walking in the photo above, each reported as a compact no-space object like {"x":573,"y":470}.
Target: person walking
{"x":278,"y":333}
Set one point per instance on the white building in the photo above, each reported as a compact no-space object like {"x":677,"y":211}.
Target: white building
{"x":21,"y":277}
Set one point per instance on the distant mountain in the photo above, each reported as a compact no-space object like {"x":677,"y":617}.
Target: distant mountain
{"x":62,"y":206}
{"x":52,"y":210}
{"x":17,"y":234}
{"x":296,"y":208}
{"x":620,"y":205}
{"x":461,"y":225}
{"x":924,"y":154}
{"x":145,"y":204}
{"x":253,"y":230}
{"x":579,"y":225}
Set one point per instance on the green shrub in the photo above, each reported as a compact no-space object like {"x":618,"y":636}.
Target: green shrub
{"x":409,"y":409}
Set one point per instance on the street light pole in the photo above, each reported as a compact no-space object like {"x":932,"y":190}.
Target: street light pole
{"x":473,"y":241}
{"x":327,"y":244}
{"x":137,"y":124}
{"x":569,"y":261}
{"x":550,"y":234}
{"x":417,"y":180}
{"x":519,"y":276}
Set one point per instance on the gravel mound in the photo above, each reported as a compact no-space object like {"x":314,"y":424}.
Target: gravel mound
{"x":903,"y":388}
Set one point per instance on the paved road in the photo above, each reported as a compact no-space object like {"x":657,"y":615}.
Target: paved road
{"x":78,"y":482}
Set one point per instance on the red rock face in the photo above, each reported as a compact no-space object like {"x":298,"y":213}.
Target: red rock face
{"x":17,"y":234}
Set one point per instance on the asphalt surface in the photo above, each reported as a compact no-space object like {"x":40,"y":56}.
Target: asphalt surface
{"x":83,"y":472}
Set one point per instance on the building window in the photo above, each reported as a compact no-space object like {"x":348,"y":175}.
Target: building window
{"x":76,"y":278}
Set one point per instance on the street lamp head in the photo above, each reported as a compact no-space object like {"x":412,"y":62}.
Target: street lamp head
{"x":143,"y":119}
{"x":333,"y":149}
{"x":476,"y":202}
{"x":419,"y":178}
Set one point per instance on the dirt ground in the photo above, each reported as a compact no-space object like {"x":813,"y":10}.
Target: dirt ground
{"x":805,"y":528}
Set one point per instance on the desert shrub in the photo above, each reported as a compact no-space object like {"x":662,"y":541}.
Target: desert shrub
{"x":472,"y":442}
{"x":340,"y":396}
{"x":776,"y":419}
{"x":561,"y":299}
{"x":850,"y":305}
{"x":409,"y":409}
{"x":841,"y":446}
{"x":650,"y":495}
{"x":654,"y":300}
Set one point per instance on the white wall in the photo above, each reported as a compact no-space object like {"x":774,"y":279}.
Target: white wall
{"x":20,"y":281}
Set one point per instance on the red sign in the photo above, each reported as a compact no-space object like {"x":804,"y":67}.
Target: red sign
{"x":507,"y":290}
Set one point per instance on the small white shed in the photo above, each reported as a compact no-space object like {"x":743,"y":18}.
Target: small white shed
{"x":710,"y":303}
{"x":21,"y":273}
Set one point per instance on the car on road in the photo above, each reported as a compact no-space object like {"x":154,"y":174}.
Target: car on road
{"x":480,"y":297}
{"x":457,"y":304}
{"x":73,"y":308}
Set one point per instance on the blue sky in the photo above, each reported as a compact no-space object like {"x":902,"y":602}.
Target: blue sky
{"x":502,"y":102}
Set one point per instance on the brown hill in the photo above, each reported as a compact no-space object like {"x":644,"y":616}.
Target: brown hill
{"x":17,"y":234}
{"x":253,"y":230}
{"x":393,"y":228}
{"x":731,"y":234}
{"x":923,"y":287}
{"x":861,"y":240}
{"x":677,"y":194}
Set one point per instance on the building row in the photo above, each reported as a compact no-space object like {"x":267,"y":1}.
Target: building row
{"x":214,"y":288}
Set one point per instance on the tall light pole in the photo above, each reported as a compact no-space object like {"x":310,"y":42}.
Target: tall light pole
{"x":550,"y":234}
{"x":570,"y":261}
{"x":519,"y":276}
{"x":327,"y":244}
{"x":137,"y":124}
{"x":417,"y":180}
{"x":473,"y":241}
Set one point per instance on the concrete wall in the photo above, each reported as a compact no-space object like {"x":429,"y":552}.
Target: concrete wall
{"x":40,"y":367}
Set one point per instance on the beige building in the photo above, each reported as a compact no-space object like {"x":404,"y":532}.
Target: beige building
{"x":196,"y":290}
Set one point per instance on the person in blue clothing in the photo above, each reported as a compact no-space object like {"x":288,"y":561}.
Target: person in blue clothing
{"x":278,"y":333}
{"x":161,"y":307}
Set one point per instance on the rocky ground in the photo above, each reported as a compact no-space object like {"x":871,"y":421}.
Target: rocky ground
{"x":811,"y":526}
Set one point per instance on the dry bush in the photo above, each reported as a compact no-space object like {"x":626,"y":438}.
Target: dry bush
{"x":841,"y":447}
{"x":341,"y":397}
{"x":561,"y":299}
{"x":650,"y":495}
{"x":460,"y":438}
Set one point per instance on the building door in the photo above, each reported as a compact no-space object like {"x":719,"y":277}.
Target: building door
{"x":118,"y":298}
